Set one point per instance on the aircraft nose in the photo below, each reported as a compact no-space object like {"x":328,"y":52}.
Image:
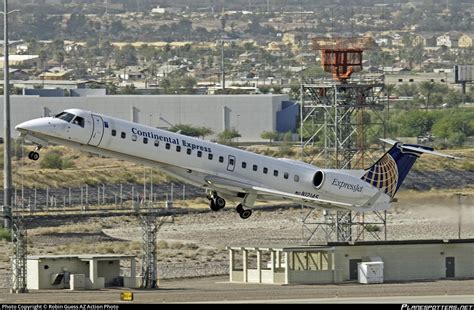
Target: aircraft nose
{"x":32,"y":125}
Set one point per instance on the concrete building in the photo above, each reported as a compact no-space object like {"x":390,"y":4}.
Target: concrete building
{"x":445,"y":76}
{"x":250,"y":115}
{"x":21,"y":60}
{"x":78,"y":272}
{"x":339,"y":262}
{"x":465,"y":40}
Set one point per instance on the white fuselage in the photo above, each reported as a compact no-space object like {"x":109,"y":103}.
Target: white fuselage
{"x":197,"y":161}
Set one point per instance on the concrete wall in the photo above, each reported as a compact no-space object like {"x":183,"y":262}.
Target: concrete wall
{"x":409,"y":261}
{"x":249,"y":114}
{"x":310,"y":276}
{"x":73,"y":265}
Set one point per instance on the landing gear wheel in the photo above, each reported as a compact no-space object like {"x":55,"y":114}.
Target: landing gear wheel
{"x":212,"y":205}
{"x":33,"y":155}
{"x":219,"y":202}
{"x":244,"y":213}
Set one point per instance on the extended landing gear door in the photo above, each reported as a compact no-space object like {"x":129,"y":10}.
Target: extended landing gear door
{"x":97,"y":131}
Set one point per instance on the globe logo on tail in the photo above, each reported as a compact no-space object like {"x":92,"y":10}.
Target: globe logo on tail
{"x":383,"y":174}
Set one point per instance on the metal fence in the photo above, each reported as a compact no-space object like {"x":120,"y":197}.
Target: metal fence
{"x":115,"y":195}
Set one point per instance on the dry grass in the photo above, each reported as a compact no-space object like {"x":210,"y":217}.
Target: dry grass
{"x":112,"y":247}
{"x":64,"y":229}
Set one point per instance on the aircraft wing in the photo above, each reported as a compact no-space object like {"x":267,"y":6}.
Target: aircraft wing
{"x":238,"y":186}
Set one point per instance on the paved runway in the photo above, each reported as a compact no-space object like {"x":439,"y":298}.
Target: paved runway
{"x":218,"y":289}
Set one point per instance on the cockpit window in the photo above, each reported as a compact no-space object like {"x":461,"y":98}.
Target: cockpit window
{"x":78,"y":121}
{"x":65,"y":116}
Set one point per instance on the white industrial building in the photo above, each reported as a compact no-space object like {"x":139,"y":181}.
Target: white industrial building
{"x":78,"y":272}
{"x":365,"y":261}
{"x":250,"y":115}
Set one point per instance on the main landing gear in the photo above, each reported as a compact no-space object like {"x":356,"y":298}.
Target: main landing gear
{"x":244,"y":213}
{"x":216,"y":203}
{"x":33,"y":155}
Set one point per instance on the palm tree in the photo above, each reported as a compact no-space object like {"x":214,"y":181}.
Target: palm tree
{"x":426,"y":88}
{"x":388,"y":89}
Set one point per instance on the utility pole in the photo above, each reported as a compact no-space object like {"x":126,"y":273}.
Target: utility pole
{"x":223,"y":22}
{"x":7,"y":169}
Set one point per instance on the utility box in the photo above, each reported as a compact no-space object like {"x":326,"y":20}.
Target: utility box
{"x":77,"y":282}
{"x":370,"y":272}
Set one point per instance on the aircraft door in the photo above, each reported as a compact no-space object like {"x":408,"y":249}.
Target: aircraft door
{"x":231,"y":164}
{"x":97,"y":131}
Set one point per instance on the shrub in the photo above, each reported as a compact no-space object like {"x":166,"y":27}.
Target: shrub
{"x":53,"y":160}
{"x":372,"y":228}
{"x":5,"y":234}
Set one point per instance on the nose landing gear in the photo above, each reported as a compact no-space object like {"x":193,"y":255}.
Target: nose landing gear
{"x":34,"y":155}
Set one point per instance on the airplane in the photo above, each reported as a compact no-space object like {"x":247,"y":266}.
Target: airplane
{"x":225,"y":172}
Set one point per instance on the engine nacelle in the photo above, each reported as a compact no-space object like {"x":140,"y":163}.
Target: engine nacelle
{"x":340,"y":184}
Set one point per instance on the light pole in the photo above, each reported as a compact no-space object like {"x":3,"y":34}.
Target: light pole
{"x":7,"y":169}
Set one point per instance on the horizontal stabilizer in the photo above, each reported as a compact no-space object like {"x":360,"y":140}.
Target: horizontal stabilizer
{"x":419,"y":149}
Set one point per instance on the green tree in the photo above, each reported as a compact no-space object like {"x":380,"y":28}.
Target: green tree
{"x":416,"y":123}
{"x":426,"y":88}
{"x":111,"y":88}
{"x":126,"y":56}
{"x":192,"y":131}
{"x":277,"y":89}
{"x":455,"y":125}
{"x":264,"y":89}
{"x":270,"y":135}
{"x":129,"y":90}
{"x":227,"y":136}
{"x":388,"y":90}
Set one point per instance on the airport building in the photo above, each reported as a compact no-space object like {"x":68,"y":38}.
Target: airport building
{"x":78,"y":272}
{"x":250,"y":115}
{"x":364,"y":261}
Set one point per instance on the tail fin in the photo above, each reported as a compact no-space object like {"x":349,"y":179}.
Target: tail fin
{"x":391,"y":169}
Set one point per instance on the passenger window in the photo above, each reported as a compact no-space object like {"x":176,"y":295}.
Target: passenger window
{"x":168,"y":146}
{"x":231,"y":161}
{"x":123,"y":135}
{"x":178,"y":148}
{"x":114,"y":132}
{"x":244,"y":164}
{"x":265,"y":170}
{"x":78,"y":121}
{"x":286,"y":175}
{"x":275,"y":173}
{"x":188,"y":151}
{"x":145,"y":140}
{"x":221,"y":159}
{"x":255,"y":167}
{"x":157,"y":142}
{"x":297,"y":178}
{"x":210,"y":156}
{"x":199,"y":153}
{"x":134,"y":137}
